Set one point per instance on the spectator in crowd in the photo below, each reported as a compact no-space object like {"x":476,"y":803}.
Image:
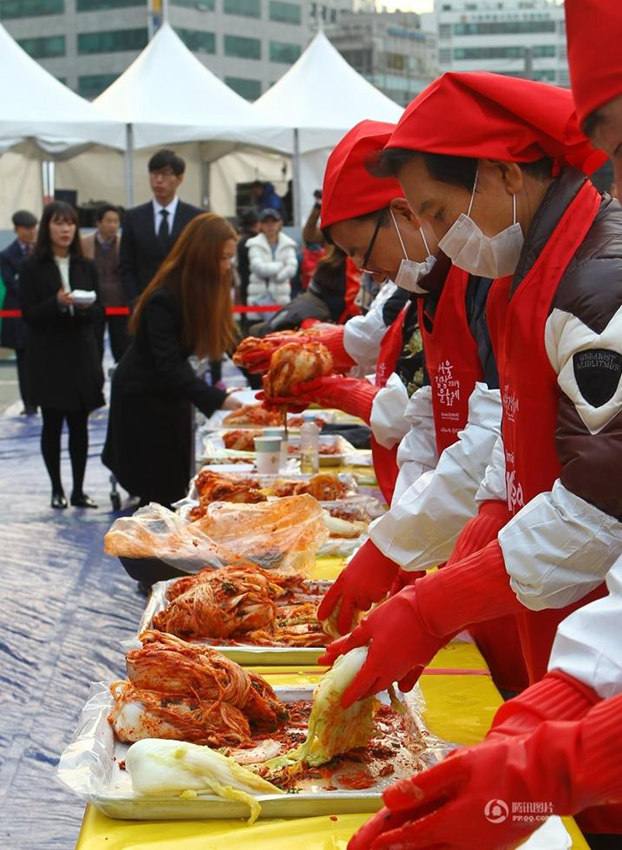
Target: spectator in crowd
{"x":264,"y":196}
{"x":103,"y":248}
{"x":150,"y":230}
{"x":273,"y":262}
{"x":248,"y":227}
{"x":64,"y":372}
{"x":14,"y":334}
{"x":186,"y":309}
{"x":323,"y":301}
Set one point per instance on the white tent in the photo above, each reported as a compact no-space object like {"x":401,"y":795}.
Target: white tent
{"x":169,"y":97}
{"x":321,"y":97}
{"x":37,"y":107}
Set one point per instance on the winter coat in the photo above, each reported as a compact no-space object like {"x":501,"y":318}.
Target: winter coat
{"x":270,"y":273}
{"x":63,"y":364}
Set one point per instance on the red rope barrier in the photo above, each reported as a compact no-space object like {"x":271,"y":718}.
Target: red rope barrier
{"x":125,"y":311}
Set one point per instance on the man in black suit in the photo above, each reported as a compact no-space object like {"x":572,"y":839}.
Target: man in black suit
{"x":150,"y":230}
{"x":14,"y":334}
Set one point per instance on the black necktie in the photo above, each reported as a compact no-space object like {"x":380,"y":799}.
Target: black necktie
{"x":163,"y":229}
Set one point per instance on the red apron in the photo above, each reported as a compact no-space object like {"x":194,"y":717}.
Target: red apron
{"x":385,"y":460}
{"x":451,"y":358}
{"x":453,"y":364}
{"x":530,"y":395}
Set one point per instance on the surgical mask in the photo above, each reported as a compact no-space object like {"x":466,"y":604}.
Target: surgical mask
{"x":411,"y":272}
{"x":475,"y":253}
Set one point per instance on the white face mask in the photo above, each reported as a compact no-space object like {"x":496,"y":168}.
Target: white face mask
{"x":487,"y":256}
{"x":410,"y":272}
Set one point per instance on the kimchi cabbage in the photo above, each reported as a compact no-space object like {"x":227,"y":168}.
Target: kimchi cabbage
{"x":161,"y":767}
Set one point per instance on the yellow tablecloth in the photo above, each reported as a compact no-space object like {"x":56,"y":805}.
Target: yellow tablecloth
{"x":461,"y":701}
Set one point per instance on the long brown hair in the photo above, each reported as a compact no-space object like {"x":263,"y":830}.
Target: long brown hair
{"x":193,"y":270}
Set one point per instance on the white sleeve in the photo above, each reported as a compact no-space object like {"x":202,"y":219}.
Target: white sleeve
{"x":420,"y":530}
{"x":493,"y":483}
{"x":587,"y":644}
{"x":362,"y":335}
{"x":387,"y":421}
{"x":419,"y":444}
{"x":558,"y":548}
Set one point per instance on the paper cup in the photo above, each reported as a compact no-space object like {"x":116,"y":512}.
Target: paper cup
{"x":268,"y":455}
{"x":279,"y":431}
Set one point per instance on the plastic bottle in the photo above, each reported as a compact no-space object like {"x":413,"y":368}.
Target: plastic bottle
{"x":309,"y":446}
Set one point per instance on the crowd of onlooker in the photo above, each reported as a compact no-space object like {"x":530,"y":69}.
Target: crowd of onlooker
{"x":146,"y":276}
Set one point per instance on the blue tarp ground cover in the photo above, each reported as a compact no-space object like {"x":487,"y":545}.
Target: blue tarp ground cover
{"x":64,"y":608}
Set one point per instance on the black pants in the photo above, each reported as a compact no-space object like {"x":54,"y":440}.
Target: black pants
{"x":119,"y":337}
{"x":20,"y":357}
{"x":77,"y":422}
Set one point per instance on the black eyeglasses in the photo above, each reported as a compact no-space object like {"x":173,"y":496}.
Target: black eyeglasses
{"x":372,"y":242}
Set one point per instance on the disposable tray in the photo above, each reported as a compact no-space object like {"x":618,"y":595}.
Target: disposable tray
{"x":243,"y":653}
{"x":214,"y":450}
{"x":90,"y":766}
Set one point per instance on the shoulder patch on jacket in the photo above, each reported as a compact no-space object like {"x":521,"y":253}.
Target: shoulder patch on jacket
{"x":597,"y":372}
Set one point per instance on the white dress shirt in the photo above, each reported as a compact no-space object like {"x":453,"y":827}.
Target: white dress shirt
{"x":170,"y":208}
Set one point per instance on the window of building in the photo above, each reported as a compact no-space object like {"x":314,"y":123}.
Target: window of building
{"x":201,"y":5}
{"x":502,"y":52}
{"x":282,"y":52}
{"x":112,"y":41}
{"x":30,"y":8}
{"x":92,"y":85}
{"x":361,"y":60}
{"x":504,"y":27}
{"x":43,"y":48}
{"x":444,"y":55}
{"x":96,"y":5}
{"x":397,"y":61}
{"x":250,"y":89}
{"x":244,"y":48}
{"x":246,"y":8}
{"x":286,"y":13}
{"x":197,"y":40}
{"x":444,"y":31}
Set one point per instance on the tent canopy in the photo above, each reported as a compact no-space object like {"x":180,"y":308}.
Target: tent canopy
{"x":322,"y":97}
{"x":169,"y":97}
{"x":37,"y":107}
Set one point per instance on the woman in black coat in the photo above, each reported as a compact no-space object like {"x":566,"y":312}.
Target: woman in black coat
{"x":63,"y":366}
{"x":186,"y":309}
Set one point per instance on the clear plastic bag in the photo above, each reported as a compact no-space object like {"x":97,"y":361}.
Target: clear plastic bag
{"x":155,"y":532}
{"x":282,"y":534}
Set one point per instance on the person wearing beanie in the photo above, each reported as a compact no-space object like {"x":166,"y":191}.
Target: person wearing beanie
{"x":508,"y":196}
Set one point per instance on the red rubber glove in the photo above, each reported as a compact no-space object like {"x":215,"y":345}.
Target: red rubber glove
{"x":255,"y":354}
{"x":497,"y":640}
{"x":563,"y":766}
{"x":404,"y":578}
{"x":556,"y":697}
{"x":490,"y":519}
{"x":408,"y":629}
{"x":352,"y":395}
{"x":399,"y":647}
{"x":366,"y":579}
{"x":332,"y":337}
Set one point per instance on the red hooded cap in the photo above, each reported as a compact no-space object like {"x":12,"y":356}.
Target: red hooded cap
{"x":594,"y":31}
{"x":489,"y":116}
{"x":349,"y":190}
